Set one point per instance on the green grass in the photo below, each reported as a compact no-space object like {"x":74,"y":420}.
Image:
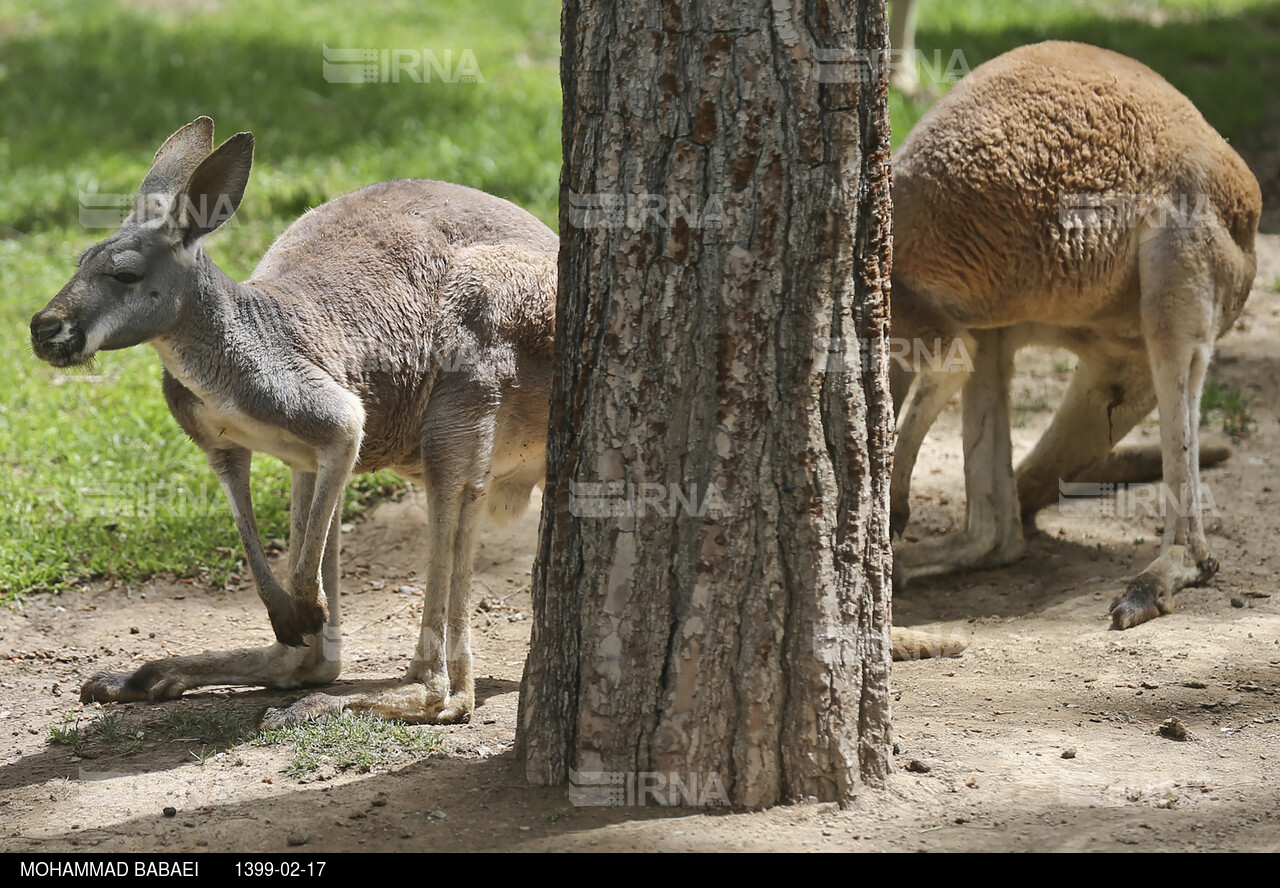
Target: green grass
{"x":359,"y":741}
{"x":220,"y":726}
{"x":110,"y":726}
{"x":68,"y":734}
{"x":96,"y":479}
{"x":353,"y":741}
{"x":1229,"y":404}
{"x":1026,"y":401}
{"x":107,"y":730}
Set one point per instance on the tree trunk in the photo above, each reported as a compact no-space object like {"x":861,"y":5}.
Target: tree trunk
{"x":711,"y":594}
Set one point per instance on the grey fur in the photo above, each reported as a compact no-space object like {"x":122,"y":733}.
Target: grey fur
{"x":405,"y":326}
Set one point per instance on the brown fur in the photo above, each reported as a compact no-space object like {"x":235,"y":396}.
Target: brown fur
{"x":981,"y":175}
{"x":990,"y":248}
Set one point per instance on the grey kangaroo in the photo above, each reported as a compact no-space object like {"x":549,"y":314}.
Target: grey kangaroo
{"x":408,"y":326}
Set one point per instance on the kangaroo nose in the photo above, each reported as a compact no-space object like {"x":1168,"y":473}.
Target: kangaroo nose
{"x":45,"y":327}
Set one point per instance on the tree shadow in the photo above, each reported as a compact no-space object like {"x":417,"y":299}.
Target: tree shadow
{"x":156,"y":737}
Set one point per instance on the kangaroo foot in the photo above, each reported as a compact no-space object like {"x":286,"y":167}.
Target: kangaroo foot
{"x":1150,"y":594}
{"x":310,"y":708}
{"x":150,"y":683}
{"x":1145,"y":598}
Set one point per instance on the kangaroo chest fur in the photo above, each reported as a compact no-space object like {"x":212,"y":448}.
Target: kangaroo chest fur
{"x":226,"y":421}
{"x":213,"y":417}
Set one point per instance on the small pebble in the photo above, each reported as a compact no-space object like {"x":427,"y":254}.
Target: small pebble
{"x":299,"y":837}
{"x":1069,"y":752}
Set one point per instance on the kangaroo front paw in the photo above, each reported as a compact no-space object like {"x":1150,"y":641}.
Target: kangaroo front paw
{"x":293,"y":622}
{"x":147,"y":684}
{"x":310,"y":610}
{"x":310,"y":616}
{"x":286,"y":628}
{"x":899,"y":517}
{"x":1145,"y":598}
{"x":898,"y":522}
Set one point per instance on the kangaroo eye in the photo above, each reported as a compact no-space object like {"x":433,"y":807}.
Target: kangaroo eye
{"x":127,"y":277}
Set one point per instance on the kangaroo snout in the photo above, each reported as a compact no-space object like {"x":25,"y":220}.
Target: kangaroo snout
{"x":45,"y":326}
{"x":55,"y":338}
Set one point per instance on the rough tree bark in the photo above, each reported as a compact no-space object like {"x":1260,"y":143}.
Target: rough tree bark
{"x":723,"y":275}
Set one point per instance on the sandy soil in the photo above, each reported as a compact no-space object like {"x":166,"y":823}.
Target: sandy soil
{"x":1042,"y":736}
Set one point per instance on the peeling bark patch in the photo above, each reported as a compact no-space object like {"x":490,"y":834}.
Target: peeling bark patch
{"x":621,"y":575}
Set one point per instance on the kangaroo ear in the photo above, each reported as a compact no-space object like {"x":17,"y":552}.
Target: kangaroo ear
{"x":214,"y":190}
{"x":174,"y":163}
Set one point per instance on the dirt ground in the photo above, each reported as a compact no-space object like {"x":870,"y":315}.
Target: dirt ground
{"x":1042,"y":736}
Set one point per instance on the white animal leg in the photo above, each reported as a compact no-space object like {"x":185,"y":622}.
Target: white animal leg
{"x":1179,"y":326}
{"x":232,"y":468}
{"x":930,"y":392}
{"x":993,"y":530}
